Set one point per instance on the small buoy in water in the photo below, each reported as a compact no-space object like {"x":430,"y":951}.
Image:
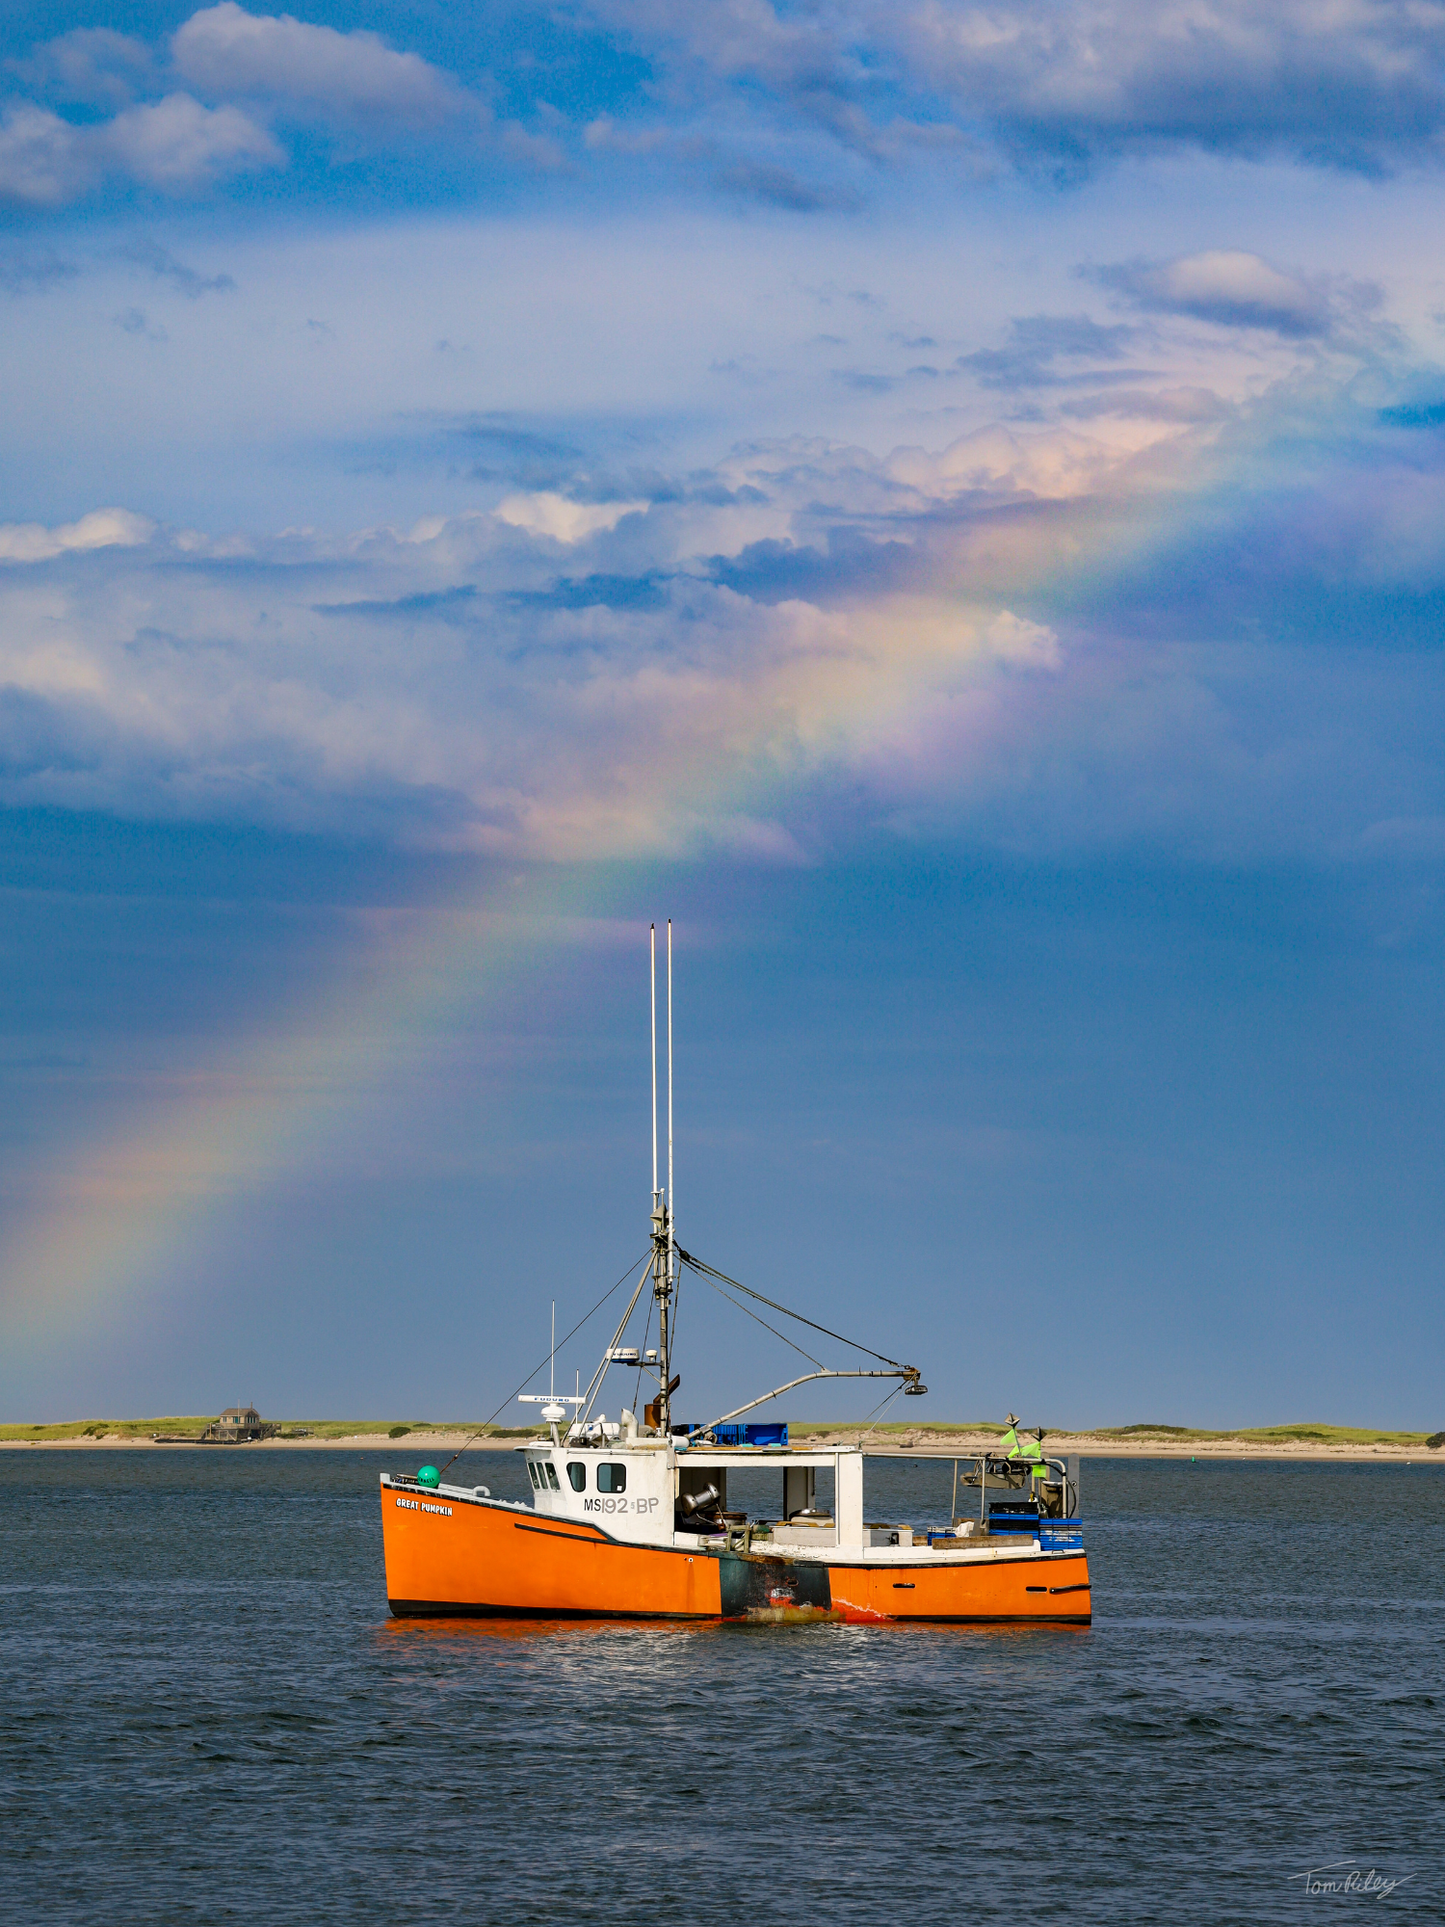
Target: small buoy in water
{"x":428,"y":1476}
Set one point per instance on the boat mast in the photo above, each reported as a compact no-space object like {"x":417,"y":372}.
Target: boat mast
{"x":671,"y":1205}
{"x":663,"y":1250}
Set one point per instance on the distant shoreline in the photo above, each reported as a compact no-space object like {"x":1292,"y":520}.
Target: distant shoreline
{"x":915,"y":1442}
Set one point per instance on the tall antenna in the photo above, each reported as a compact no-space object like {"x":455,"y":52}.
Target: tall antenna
{"x":552,"y":1366}
{"x":652,"y":938}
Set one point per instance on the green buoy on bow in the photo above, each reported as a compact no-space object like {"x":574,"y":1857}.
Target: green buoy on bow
{"x":429,"y":1476}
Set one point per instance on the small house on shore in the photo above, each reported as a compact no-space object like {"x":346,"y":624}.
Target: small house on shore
{"x":237,"y":1425}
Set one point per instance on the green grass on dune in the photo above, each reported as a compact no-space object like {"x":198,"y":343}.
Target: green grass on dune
{"x":895,"y":1428}
{"x":192,"y":1427}
{"x":1305,"y":1433}
{"x":348,"y":1428}
{"x":123,"y":1428}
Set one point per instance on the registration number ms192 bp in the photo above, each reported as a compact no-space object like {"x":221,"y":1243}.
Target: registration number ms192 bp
{"x":641,"y":1506}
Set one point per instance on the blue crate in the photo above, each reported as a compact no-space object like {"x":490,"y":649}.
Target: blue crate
{"x":1052,"y":1540}
{"x":745,"y":1434}
{"x":751,"y":1434}
{"x":1012,"y":1521}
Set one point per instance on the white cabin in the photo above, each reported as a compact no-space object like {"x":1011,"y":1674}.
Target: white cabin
{"x":636,"y":1488}
{"x":629,"y":1489}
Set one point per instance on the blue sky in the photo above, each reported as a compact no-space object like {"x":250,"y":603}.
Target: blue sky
{"x":945,"y":499}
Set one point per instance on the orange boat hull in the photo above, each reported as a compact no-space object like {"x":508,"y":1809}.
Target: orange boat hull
{"x":448,"y":1556}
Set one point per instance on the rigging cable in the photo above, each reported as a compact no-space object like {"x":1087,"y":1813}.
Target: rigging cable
{"x":672,"y":1323}
{"x":711,"y":1271}
{"x":765,"y":1325}
{"x":874,"y":1413}
{"x":537,"y":1368}
{"x":641,"y":1356}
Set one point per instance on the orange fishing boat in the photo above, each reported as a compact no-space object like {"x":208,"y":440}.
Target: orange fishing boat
{"x":629,"y":1518}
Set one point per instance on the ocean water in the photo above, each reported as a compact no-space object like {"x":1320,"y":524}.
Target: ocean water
{"x":207,"y":1716}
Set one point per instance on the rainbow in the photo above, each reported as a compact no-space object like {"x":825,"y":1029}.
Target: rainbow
{"x":108,"y":1219}
{"x":858,"y":686}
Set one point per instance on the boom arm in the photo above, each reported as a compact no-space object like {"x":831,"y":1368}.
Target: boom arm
{"x":907,"y":1372}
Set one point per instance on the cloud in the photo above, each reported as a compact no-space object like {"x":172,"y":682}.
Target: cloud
{"x":25,"y":272}
{"x":1037,"y":343}
{"x":1059,"y":84}
{"x":90,"y":67}
{"x":808,"y":60}
{"x":1227,"y":286}
{"x":237,"y":70}
{"x":780,"y":187}
{"x":101,"y":529}
{"x":161,"y":263}
{"x":1214,"y":633}
{"x":753,"y":175}
{"x":561,"y":519}
{"x":135,"y":321}
{"x":174,"y":144}
{"x":226,"y":52}
{"x":1179,"y":405}
{"x":798,"y":108}
{"x":1360,"y":86}
{"x":44,"y":161}
{"x":445,"y":685}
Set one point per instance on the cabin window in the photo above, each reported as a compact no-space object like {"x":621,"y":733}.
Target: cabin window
{"x":578,"y":1475}
{"x":532,"y":1475}
{"x":612,"y":1478}
{"x":551,"y":1472}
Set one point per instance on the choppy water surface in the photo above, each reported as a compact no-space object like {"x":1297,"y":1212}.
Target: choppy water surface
{"x":208,"y":1716}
